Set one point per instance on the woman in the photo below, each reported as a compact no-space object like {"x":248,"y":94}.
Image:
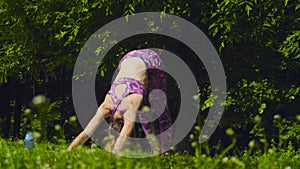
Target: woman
{"x":138,"y":70}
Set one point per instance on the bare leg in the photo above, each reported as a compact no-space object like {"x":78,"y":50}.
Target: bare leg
{"x":131,"y":104}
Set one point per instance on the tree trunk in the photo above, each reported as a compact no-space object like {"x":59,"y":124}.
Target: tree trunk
{"x":17,"y":113}
{"x":5,"y":110}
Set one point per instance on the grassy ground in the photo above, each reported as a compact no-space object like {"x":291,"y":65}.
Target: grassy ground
{"x":48,"y":155}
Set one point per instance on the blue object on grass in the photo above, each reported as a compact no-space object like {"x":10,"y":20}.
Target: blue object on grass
{"x":29,"y":141}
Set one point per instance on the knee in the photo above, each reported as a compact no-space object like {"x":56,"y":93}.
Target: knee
{"x":136,"y":101}
{"x":104,"y":109}
{"x":105,"y":106}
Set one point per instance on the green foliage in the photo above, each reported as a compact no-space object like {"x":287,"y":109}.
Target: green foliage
{"x":258,"y":42}
{"x":47,"y":155}
{"x":288,"y":132}
{"x":290,"y":46}
{"x":237,"y":21}
{"x":47,"y":35}
{"x":250,"y":100}
{"x":44,"y":115}
{"x":259,"y":153}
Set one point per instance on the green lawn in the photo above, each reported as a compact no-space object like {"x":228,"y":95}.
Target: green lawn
{"x":49,"y":155}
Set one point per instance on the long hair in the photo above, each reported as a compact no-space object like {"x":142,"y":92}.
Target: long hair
{"x":114,"y":124}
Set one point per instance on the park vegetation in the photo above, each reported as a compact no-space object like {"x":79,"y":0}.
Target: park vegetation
{"x":258,"y":44}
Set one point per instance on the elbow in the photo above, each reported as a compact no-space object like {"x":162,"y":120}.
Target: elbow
{"x":84,"y":136}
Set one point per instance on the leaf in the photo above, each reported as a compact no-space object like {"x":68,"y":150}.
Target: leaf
{"x":262,"y":108}
{"x":286,"y":2}
{"x":297,"y":6}
{"x":212,"y":26}
{"x":61,"y":35}
{"x":215,"y":31}
{"x":248,"y":9}
{"x":131,"y":7}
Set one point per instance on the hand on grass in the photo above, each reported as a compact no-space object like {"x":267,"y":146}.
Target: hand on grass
{"x":78,"y":141}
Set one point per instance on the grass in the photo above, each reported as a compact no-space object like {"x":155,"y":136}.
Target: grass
{"x":49,"y":155}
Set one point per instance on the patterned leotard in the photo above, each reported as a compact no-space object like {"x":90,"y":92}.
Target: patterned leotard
{"x":156,"y":80}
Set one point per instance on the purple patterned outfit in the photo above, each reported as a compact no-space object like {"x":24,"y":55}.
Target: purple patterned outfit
{"x":156,"y":80}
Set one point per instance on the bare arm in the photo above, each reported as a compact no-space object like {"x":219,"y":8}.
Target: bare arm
{"x":129,"y":122}
{"x":90,"y":128}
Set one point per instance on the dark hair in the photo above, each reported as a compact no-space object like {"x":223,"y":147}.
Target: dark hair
{"x":114,"y":124}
